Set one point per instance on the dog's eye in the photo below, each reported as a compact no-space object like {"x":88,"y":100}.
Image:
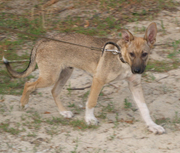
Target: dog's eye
{"x":132,"y":54}
{"x":144,"y":54}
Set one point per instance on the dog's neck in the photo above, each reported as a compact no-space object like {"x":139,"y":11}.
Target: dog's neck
{"x":121,"y":43}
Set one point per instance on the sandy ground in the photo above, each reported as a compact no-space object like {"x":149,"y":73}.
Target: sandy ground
{"x":121,"y":129}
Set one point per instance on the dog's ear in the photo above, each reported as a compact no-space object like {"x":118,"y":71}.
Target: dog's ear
{"x":151,"y":32}
{"x":127,"y":36}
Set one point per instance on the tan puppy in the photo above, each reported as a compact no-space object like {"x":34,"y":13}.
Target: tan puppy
{"x":56,"y":61}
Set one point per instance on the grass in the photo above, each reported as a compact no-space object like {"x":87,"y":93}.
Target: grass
{"x":85,"y":96}
{"x":12,"y":86}
{"x":5,"y":127}
{"x":33,"y":121}
{"x":71,"y":105}
{"x":125,"y":11}
{"x":176,"y":22}
{"x":162,"y":121}
{"x":112,"y":137}
{"x":9,"y":85}
{"x":141,"y":29}
{"x":76,"y":146}
{"x":93,"y":23}
{"x":76,"y":124}
{"x":110,"y":108}
{"x":69,"y":89}
{"x":31,"y":134}
{"x":11,"y":45}
{"x":176,"y":118}
{"x":175,"y":51}
{"x":162,"y":66}
{"x":22,"y":23}
{"x":173,"y":123}
{"x":102,"y":115}
{"x":75,"y":108}
{"x":52,"y":130}
{"x":51,"y":125}
{"x":127,"y":104}
{"x":162,"y":27}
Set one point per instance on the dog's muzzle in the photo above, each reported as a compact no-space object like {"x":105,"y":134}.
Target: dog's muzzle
{"x":137,"y":70}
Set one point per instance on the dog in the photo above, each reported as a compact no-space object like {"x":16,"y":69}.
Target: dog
{"x":56,"y":61}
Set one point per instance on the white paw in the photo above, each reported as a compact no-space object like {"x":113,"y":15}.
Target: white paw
{"x":156,"y":129}
{"x":90,"y":118}
{"x":24,"y":107}
{"x":66,"y":114}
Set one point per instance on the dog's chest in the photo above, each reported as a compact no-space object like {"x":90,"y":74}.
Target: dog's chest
{"x":125,"y":72}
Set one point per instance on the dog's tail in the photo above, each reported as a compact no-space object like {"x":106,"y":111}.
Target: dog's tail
{"x":30,"y":67}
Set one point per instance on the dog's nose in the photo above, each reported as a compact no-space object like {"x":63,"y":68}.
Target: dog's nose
{"x":137,"y":70}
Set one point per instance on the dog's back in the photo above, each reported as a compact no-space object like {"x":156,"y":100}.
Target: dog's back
{"x":68,"y":55}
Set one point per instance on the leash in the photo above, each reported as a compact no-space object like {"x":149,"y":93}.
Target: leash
{"x":114,"y":51}
{"x":43,"y":37}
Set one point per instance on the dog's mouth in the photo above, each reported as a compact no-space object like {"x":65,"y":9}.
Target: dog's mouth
{"x":138,"y":70}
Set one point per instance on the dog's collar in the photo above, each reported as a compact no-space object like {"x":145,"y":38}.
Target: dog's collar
{"x":121,"y":58}
{"x":114,"y":51}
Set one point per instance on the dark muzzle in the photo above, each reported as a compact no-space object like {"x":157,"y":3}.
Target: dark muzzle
{"x":137,"y":70}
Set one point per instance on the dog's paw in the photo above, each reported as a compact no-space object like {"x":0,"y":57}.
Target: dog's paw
{"x":66,"y":114}
{"x":156,"y":129}
{"x":91,"y":120}
{"x":23,"y":107}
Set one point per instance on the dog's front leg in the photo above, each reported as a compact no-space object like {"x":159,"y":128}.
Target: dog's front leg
{"x":136,"y":89}
{"x":96,"y":87}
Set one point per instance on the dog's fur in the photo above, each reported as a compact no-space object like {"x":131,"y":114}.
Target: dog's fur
{"x":56,"y":61}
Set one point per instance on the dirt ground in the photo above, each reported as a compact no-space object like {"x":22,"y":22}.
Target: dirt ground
{"x":121,"y":128}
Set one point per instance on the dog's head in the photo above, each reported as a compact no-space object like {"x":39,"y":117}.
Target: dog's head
{"x":136,"y":50}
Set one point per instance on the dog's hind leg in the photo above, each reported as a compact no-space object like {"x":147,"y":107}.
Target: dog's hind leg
{"x":30,"y":87}
{"x":64,"y":76}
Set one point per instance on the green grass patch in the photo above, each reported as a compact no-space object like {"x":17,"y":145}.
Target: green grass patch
{"x":127,"y":104}
{"x":35,"y":121}
{"x":109,"y":108}
{"x":173,"y":123}
{"x":97,"y":25}
{"x":176,"y":118}
{"x":11,"y":86}
{"x":9,"y":49}
{"x":176,"y":50}
{"x":162,"y":66}
{"x":162,"y":121}
{"x":23,"y":23}
{"x":127,"y":10}
{"x":76,"y":124}
{"x":5,"y":127}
